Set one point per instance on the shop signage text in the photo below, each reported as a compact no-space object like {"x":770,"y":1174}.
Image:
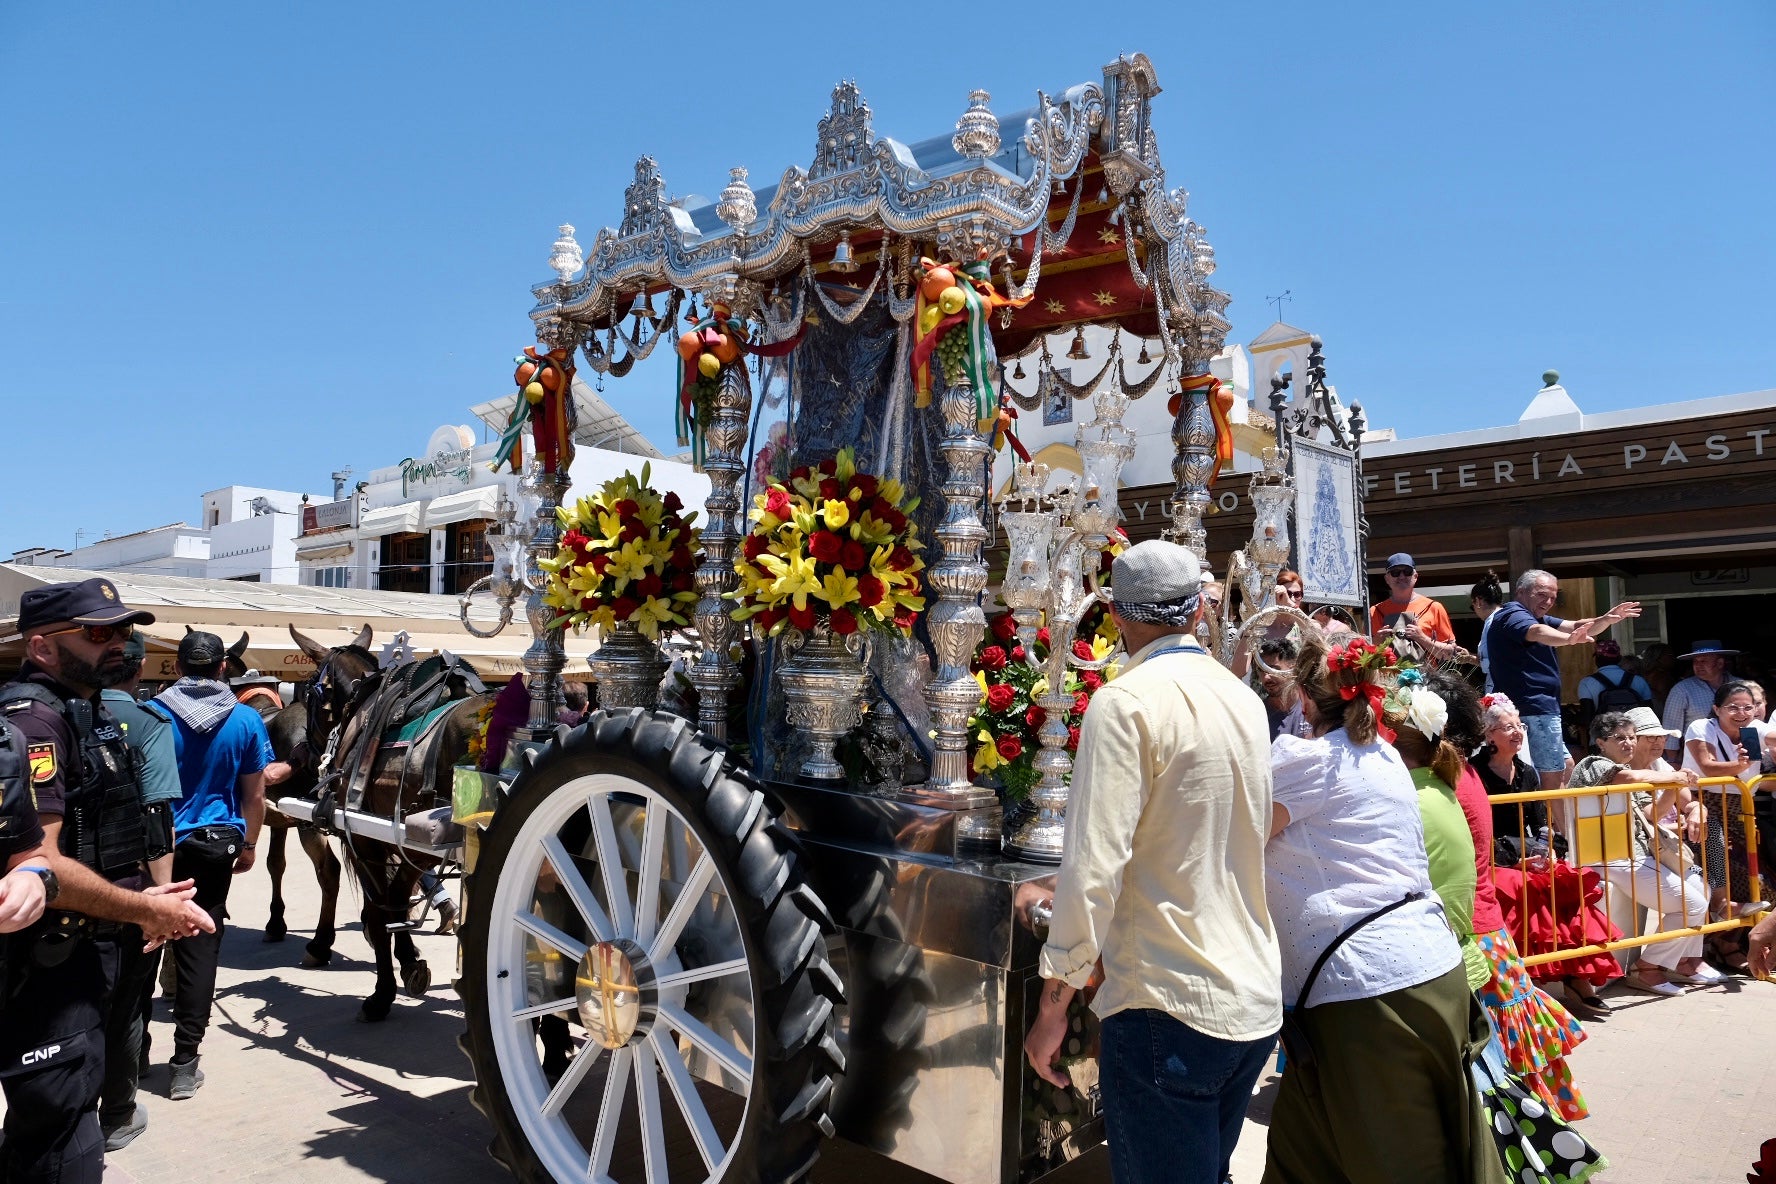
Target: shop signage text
{"x":326,"y":516}
{"x":454,"y":465}
{"x":1556,"y":464}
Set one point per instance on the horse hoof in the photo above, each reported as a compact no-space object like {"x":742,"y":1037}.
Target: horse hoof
{"x":416,"y":980}
{"x":275,"y":930}
{"x":313,"y":957}
{"x":374,"y":1010}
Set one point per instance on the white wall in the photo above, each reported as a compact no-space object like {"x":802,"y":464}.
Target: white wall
{"x":176,"y":550}
{"x":263,"y":545}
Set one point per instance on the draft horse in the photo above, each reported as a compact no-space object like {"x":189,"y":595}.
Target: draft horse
{"x":346,"y":713}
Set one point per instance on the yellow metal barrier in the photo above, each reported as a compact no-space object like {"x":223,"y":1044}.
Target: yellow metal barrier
{"x":1601,"y":839}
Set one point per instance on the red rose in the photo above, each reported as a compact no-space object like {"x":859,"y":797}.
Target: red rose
{"x":881,"y":508}
{"x":651,"y":585}
{"x":1010,"y":747}
{"x":1072,"y":738}
{"x":802,"y":618}
{"x":826,"y":546}
{"x":1081,"y":701}
{"x":864,"y":486}
{"x":752,"y":548}
{"x":777,"y":501}
{"x":1035,"y":717}
{"x":627,"y":507}
{"x":631,"y":531}
{"x":800,"y":474}
{"x":1082,"y":650}
{"x":900,"y":559}
{"x":1003,"y":626}
{"x":588,"y":603}
{"x":684,"y":581}
{"x":672,"y":503}
{"x":1017,"y":653}
{"x":829,"y":488}
{"x":1000,"y":696}
{"x":1092,"y":679}
{"x":870,"y":591}
{"x":1042,"y":635}
{"x":992,"y":658}
{"x":624,"y":607}
{"x":904,"y":619}
{"x":852,"y":556}
{"x":765,"y":618}
{"x":827,"y":468}
{"x":895,"y":519}
{"x":844,"y":621}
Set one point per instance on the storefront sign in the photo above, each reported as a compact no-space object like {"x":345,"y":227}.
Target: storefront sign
{"x":326,"y":516}
{"x":455,"y":467}
{"x":1552,"y":462}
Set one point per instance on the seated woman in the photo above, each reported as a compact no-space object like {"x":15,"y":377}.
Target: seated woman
{"x":1720,"y":747}
{"x":1679,"y":900}
{"x":1383,"y":1019}
{"x":1532,"y":881}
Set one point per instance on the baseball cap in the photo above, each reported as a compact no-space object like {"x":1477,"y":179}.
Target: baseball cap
{"x":78,"y":602}
{"x":1401,"y":559}
{"x":200,"y":651}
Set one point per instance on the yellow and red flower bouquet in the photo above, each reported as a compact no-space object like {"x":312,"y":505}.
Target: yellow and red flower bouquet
{"x":831,"y":544}
{"x":627,"y":554}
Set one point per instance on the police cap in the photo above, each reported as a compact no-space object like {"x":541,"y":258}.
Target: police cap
{"x":79,"y":602}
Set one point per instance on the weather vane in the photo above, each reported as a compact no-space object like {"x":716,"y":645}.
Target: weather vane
{"x":1278,"y":301}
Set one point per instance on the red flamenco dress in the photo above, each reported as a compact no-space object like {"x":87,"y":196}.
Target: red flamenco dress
{"x":1551,"y":905}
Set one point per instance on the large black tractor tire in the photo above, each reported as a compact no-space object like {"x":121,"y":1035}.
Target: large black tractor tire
{"x":783,"y":925}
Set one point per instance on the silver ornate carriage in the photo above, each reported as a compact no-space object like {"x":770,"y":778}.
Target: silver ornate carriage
{"x":681,"y":965}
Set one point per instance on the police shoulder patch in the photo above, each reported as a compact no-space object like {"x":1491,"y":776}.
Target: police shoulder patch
{"x":43,"y":762}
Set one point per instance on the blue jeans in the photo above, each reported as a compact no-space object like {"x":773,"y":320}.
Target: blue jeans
{"x":1174,"y":1099}
{"x":1547,"y":746}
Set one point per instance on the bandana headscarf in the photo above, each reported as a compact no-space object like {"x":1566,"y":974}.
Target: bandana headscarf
{"x":1171,"y":613}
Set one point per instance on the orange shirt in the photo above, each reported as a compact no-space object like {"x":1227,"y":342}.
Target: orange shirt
{"x":1433,"y":618}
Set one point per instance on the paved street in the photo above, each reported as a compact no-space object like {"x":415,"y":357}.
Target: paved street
{"x":298,"y":1090}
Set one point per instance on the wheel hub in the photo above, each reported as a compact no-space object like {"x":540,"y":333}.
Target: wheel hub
{"x":608,"y":989}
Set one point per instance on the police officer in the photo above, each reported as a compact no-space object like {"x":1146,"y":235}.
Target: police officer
{"x":97,"y":839}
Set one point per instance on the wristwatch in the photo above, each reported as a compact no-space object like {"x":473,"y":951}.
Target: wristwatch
{"x":52,"y":887}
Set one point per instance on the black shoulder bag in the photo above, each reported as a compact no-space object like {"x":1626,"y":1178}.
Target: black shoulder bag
{"x":1296,"y":1045}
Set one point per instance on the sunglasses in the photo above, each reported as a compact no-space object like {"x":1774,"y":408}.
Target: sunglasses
{"x":1399,"y":573}
{"x":99,"y":634}
{"x":1292,"y":593}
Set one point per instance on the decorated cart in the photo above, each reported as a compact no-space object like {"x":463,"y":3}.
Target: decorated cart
{"x":795,"y":889}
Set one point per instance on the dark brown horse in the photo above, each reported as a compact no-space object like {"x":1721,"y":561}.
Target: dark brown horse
{"x":288,"y":727}
{"x":387,"y":874}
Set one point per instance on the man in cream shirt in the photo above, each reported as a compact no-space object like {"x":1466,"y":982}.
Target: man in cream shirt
{"x":1162,"y":876}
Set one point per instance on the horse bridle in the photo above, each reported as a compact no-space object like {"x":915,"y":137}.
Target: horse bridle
{"x":320,"y":698}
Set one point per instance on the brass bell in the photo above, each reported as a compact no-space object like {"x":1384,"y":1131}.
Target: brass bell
{"x":1018,"y":371}
{"x":843,"y":261}
{"x":1077,"y":350}
{"x":1144,"y":359}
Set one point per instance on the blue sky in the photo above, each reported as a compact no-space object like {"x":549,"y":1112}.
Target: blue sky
{"x":250,"y":244}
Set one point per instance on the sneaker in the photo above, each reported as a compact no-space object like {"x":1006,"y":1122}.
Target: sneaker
{"x":119,"y":1137}
{"x":187,"y":1079}
{"x":1703,"y":976}
{"x":447,"y":917}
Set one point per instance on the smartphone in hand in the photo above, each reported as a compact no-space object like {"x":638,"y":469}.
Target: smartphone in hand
{"x":1749,"y":740}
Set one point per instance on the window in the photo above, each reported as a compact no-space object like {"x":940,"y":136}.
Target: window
{"x":406,"y":563}
{"x":330,"y":577}
{"x":465,"y":552}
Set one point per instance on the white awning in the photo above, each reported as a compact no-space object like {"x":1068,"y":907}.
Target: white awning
{"x":331,"y":545}
{"x":401,"y":519}
{"x":461,"y":506}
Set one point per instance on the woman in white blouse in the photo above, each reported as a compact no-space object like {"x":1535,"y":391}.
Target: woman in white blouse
{"x":1387,"y":1022}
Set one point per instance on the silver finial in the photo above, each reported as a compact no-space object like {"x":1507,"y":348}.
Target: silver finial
{"x":564,"y":256}
{"x":977,"y":131}
{"x":737,"y":207}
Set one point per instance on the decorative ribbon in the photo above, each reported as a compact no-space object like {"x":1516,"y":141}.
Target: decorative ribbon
{"x":1003,"y":431}
{"x":709,"y":331}
{"x":551,"y":423}
{"x":1376,"y":694}
{"x":980,"y":300}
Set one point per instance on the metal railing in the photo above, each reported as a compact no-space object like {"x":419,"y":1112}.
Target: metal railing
{"x":1602,"y":840}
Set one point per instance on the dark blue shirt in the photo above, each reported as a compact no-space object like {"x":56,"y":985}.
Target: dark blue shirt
{"x":1527,"y":671}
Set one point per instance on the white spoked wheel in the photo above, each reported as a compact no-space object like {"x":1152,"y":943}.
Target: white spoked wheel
{"x":645,"y":972}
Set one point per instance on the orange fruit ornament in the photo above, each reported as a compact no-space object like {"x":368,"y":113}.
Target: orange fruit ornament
{"x":526,"y":371}
{"x":935,"y":281}
{"x":727,"y":350}
{"x":689,"y":346}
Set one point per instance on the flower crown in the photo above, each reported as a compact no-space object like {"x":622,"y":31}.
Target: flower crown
{"x":1359,"y":653}
{"x":1497,"y":699}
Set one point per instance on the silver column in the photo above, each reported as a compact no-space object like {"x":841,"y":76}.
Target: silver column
{"x":955,"y":618}
{"x":715,"y":675}
{"x":545,"y":657}
{"x":1193,"y":437}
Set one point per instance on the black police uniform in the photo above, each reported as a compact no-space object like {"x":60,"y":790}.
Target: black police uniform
{"x":80,"y":771}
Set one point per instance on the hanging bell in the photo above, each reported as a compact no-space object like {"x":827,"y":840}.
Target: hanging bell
{"x":1077,"y":350}
{"x":1143,"y":358}
{"x":646,"y":309}
{"x":1018,"y":370}
{"x":843,"y":261}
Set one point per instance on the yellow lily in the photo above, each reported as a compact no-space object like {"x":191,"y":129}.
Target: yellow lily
{"x":986,"y":757}
{"x":838,"y":512}
{"x":798,"y":580}
{"x":840,"y":589}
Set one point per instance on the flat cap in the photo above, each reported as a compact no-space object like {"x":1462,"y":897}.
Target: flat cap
{"x":1155,"y":572}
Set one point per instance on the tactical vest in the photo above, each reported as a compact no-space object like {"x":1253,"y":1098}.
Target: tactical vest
{"x":105,"y":825}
